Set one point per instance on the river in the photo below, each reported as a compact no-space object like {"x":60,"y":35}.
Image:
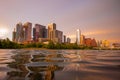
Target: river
{"x":23,"y":64}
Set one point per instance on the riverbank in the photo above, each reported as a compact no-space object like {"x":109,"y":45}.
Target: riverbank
{"x":7,"y":44}
{"x":60,"y":49}
{"x":67,"y":49}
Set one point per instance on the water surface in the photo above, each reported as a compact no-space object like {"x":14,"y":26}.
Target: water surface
{"x":59,"y":64}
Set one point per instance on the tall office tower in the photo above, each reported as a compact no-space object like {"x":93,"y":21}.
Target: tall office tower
{"x":82,"y":40}
{"x":52,"y":31}
{"x":34,"y":34}
{"x":59,"y":35}
{"x":27,"y":31}
{"x":19,"y":33}
{"x":14,"y":36}
{"x":39,"y":31}
{"x":68,"y":40}
{"x":64,"y":37}
{"x":78,"y":36}
{"x":53,"y":34}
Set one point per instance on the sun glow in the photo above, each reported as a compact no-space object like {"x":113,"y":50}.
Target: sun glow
{"x":3,"y":31}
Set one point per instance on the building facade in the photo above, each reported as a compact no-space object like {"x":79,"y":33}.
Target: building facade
{"x":53,"y":34}
{"x":82,"y":40}
{"x":59,"y":35}
{"x":64,"y":39}
{"x":78,"y":37}
{"x":14,"y":36}
{"x":19,"y":33}
{"x":39,"y":31}
{"x":105,"y":44}
{"x":68,"y":40}
{"x":90,"y":42}
{"x":27,"y":32}
{"x":116,"y":45}
{"x":51,"y":31}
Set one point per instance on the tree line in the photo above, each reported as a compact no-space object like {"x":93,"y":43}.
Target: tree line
{"x":7,"y":44}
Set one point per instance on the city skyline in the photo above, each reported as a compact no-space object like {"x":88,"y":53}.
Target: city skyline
{"x":25,"y":33}
{"x":96,"y":19}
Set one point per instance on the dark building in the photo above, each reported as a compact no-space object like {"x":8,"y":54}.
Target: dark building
{"x":19,"y":33}
{"x":64,"y":39}
{"x":14,"y":36}
{"x":34,"y":34}
{"x":22,"y":33}
{"x":39,"y":31}
{"x":27,"y":32}
{"x":59,"y":35}
{"x":68,"y":40}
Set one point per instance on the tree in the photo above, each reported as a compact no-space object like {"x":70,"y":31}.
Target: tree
{"x":39,"y":45}
{"x":58,"y":46}
{"x":51,"y":45}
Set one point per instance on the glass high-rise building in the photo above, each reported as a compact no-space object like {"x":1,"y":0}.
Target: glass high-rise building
{"x":51,"y":31}
{"x":39,"y":31}
{"x":34,"y":34}
{"x":14,"y":36}
{"x":59,"y":35}
{"x":22,"y":33}
{"x":53,"y":34}
{"x":28,"y":32}
{"x":64,"y":39}
{"x":82,"y":40}
{"x":78,"y":37}
{"x":19,"y":33}
{"x":68,"y":40}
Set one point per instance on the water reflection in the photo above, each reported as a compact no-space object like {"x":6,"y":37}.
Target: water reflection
{"x":59,"y":65}
{"x":34,"y":66}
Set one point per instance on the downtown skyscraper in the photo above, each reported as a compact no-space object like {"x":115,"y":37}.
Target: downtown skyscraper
{"x":22,"y":34}
{"x":53,"y":34}
{"x":27,"y":32}
{"x":81,"y":40}
{"x":19,"y":33}
{"x":39,"y":31}
{"x":78,"y":34}
{"x":51,"y":31}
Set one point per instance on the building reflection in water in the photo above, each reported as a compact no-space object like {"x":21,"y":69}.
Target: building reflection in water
{"x":23,"y":68}
{"x":61,"y":65}
{"x":75,"y":60}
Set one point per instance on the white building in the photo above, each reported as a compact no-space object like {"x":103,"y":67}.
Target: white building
{"x":78,"y":37}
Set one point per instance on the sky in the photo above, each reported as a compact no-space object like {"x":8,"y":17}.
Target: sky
{"x":99,"y":19}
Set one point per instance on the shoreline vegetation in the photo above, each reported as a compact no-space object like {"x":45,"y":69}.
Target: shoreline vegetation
{"x":7,"y":44}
